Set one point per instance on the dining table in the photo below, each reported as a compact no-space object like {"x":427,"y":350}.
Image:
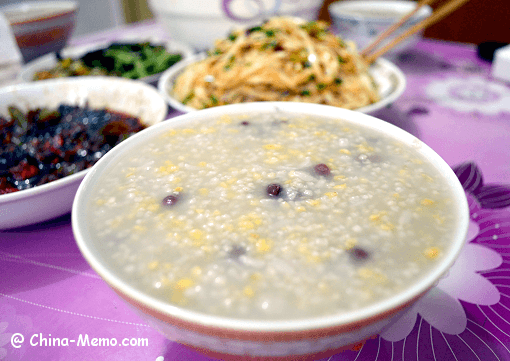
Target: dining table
{"x":53,"y":305}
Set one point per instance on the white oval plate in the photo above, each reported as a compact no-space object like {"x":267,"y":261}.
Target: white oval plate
{"x":54,"y":199}
{"x":49,"y":61}
{"x":389,"y":78}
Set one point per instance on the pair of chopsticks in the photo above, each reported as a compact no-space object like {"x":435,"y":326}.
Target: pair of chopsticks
{"x":437,"y":15}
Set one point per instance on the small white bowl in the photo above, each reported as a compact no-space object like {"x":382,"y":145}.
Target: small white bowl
{"x":389,"y":78}
{"x":234,"y":338}
{"x":363,"y":21}
{"x":54,"y":199}
{"x":200,"y":22}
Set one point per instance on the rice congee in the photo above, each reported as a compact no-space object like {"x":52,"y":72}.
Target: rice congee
{"x":271,"y":216}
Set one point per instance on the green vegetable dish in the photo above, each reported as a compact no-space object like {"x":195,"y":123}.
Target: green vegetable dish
{"x":127,"y":60}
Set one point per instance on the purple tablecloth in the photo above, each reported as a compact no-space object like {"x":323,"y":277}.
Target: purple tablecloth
{"x":48,"y":291}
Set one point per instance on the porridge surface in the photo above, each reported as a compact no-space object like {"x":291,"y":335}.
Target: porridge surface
{"x":271,"y":216}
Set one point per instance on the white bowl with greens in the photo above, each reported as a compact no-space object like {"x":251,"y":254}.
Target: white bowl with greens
{"x":147,"y":64}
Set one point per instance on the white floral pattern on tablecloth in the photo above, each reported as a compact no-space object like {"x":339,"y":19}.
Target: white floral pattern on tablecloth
{"x":4,"y":339}
{"x":12,"y":324}
{"x":466,"y":316}
{"x":470,"y":94}
{"x":441,"y":307}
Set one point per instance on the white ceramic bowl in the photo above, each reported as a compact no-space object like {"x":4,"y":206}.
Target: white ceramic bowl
{"x":389,"y":78}
{"x":54,"y":199}
{"x":41,"y":27}
{"x":200,"y":22}
{"x":220,"y":336}
{"x":49,"y":61}
{"x":363,"y":21}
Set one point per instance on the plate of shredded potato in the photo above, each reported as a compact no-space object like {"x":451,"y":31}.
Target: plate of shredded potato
{"x":283,"y":59}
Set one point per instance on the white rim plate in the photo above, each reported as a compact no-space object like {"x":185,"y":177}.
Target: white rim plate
{"x":389,"y":78}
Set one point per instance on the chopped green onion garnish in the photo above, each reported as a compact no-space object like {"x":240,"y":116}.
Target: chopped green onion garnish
{"x":271,"y":44}
{"x":231,"y":61}
{"x":216,"y":51}
{"x":256,"y":28}
{"x":188,"y":98}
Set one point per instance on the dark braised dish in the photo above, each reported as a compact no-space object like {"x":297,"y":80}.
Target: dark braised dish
{"x":44,"y":145}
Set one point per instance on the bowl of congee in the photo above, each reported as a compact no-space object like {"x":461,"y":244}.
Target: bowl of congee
{"x":271,"y":230}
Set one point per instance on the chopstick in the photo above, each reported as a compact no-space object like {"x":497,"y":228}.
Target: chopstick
{"x":438,"y":15}
{"x":394,"y":27}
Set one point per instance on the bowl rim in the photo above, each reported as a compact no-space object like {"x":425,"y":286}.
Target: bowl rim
{"x":168,"y":77}
{"x":41,"y":189}
{"x":215,"y":12}
{"x":63,"y":7}
{"x":262,"y":326}
{"x":402,"y":7}
{"x":44,"y":84}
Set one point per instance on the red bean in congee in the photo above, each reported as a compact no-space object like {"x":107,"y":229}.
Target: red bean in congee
{"x":272,"y":216}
